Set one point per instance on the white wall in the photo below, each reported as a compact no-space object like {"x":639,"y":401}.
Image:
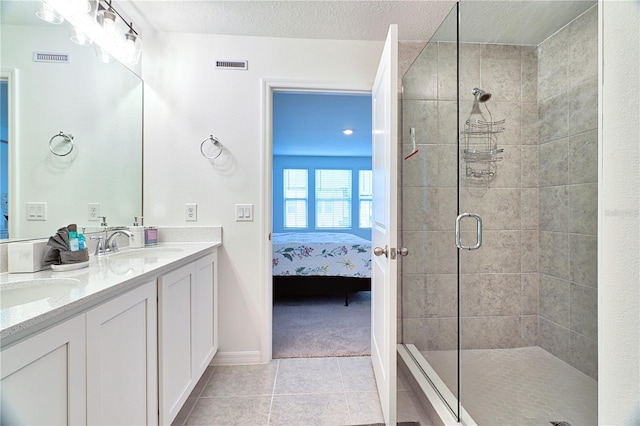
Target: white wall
{"x":186,"y":100}
{"x":619,"y":213}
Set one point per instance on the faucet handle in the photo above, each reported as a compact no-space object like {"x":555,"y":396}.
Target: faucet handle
{"x":100,"y":245}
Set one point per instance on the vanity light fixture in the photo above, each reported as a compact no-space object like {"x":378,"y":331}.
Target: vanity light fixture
{"x":99,"y":22}
{"x":348,"y":132}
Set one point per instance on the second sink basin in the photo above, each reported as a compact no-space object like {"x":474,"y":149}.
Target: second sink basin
{"x":27,"y":291}
{"x":146,"y":252}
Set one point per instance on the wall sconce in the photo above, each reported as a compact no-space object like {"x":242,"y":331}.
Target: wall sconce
{"x":99,"y":22}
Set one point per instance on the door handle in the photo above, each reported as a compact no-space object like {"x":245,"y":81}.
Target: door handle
{"x":478,"y":231}
{"x":379,"y":251}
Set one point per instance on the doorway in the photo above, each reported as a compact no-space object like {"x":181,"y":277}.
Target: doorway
{"x":4,"y":157}
{"x":321,"y":210}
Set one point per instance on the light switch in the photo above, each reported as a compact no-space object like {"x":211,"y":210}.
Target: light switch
{"x":244,"y":212}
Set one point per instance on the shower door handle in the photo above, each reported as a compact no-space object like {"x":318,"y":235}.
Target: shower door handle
{"x":478,"y":231}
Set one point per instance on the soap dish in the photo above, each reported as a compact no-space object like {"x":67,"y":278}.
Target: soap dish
{"x":69,"y":266}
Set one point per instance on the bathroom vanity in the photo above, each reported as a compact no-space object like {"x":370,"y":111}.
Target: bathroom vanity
{"x":123,"y":341}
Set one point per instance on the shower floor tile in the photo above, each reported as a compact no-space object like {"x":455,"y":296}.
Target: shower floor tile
{"x":523,"y":386}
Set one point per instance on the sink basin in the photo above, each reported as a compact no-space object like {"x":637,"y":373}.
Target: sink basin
{"x":27,"y":291}
{"x":147,"y":252}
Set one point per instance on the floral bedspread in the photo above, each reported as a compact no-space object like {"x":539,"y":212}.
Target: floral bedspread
{"x":321,"y":253}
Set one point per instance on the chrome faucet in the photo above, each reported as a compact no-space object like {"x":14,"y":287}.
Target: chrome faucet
{"x":108,"y":244}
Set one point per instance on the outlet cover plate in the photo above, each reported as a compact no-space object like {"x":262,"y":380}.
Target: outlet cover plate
{"x":93,"y":212}
{"x":191,"y":212}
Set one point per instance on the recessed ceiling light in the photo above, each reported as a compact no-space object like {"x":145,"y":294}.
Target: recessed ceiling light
{"x":347,"y":132}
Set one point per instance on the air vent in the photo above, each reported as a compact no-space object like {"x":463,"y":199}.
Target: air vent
{"x":231,"y":65}
{"x":58,"y":58}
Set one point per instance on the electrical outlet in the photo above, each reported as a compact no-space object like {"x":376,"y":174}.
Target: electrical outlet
{"x":244,"y":212}
{"x":94,"y":212}
{"x":191,"y":212}
{"x":37,"y":211}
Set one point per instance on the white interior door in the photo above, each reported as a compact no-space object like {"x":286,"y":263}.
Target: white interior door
{"x":384,"y":232}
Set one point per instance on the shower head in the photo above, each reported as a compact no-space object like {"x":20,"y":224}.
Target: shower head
{"x":481,"y":95}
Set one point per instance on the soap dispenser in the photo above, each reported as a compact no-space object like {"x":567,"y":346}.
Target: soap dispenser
{"x":137,"y":231}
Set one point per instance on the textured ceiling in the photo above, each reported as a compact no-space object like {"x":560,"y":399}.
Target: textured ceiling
{"x":339,"y":20}
{"x":512,"y":22}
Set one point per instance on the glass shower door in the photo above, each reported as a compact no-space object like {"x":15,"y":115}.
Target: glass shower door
{"x":429,"y":208}
{"x":504,"y":324}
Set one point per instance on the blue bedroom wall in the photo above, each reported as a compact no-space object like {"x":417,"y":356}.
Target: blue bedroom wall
{"x":308,"y":134}
{"x":312,"y":163}
{"x":312,"y":124}
{"x":4,"y":159}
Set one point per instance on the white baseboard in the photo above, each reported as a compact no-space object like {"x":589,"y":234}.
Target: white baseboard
{"x":236,"y":358}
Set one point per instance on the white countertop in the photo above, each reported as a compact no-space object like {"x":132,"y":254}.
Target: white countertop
{"x":54,"y":296}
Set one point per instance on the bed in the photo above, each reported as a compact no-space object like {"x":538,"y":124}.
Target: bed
{"x":320,"y":262}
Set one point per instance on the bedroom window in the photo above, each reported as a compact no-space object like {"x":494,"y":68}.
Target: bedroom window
{"x":296,"y":189}
{"x":333,"y":199}
{"x":365,"y":197}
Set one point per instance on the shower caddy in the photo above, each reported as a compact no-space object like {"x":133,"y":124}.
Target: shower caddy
{"x":480,"y":140}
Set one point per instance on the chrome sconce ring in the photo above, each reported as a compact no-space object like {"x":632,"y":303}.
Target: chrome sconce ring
{"x":67,"y":139}
{"x":217,"y":148}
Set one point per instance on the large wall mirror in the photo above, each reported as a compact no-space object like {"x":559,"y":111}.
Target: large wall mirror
{"x":47,"y":180}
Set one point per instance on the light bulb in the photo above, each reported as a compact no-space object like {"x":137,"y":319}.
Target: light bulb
{"x":78,"y":6}
{"x":48,"y":14}
{"x":109,"y":22}
{"x":79,"y":37}
{"x":131,"y":48}
{"x":104,"y":55}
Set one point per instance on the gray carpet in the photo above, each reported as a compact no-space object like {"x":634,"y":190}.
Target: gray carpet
{"x":321,"y":326}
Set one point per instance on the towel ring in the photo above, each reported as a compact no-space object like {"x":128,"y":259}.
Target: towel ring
{"x":68,"y":138}
{"x":216,"y":143}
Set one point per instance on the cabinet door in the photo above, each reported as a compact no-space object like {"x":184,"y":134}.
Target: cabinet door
{"x":43,"y":378}
{"x":121,"y":360}
{"x":174,"y":340}
{"x":204,"y":314}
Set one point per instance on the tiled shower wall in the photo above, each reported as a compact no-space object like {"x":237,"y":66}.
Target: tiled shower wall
{"x":568,"y":106}
{"x":534,"y":281}
{"x":499,"y":284}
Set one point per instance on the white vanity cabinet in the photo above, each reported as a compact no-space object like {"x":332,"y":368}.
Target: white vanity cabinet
{"x":122,"y":359}
{"x":43,"y":378}
{"x":130,"y":356}
{"x":187,"y":331}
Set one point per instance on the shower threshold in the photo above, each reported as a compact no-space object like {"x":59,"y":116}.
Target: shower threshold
{"x":437,"y":393}
{"x":524,"y":386}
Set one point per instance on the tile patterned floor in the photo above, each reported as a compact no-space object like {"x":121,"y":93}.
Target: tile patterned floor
{"x":521,"y":386}
{"x":298,"y":391}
